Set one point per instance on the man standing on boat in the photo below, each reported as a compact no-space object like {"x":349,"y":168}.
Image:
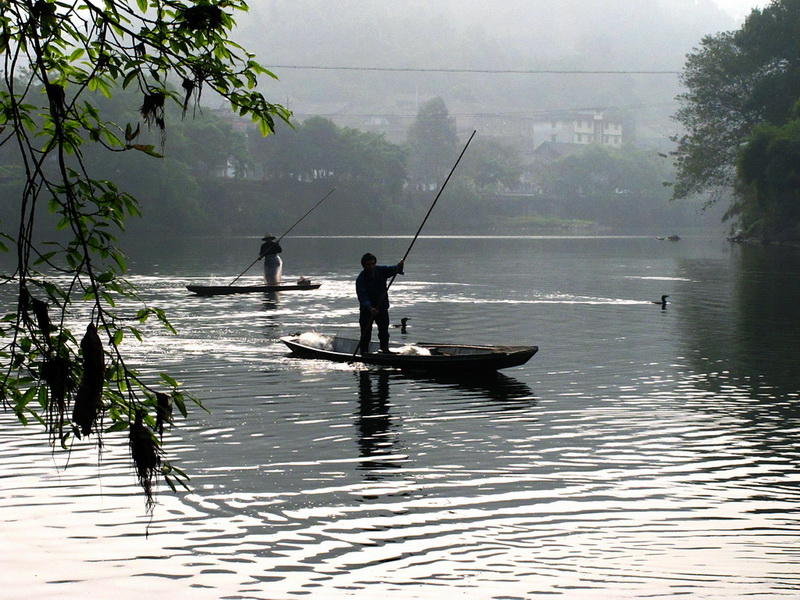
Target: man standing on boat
{"x":273,"y":265}
{"x":373,"y":299}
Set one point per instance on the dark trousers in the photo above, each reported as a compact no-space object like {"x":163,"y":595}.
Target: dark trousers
{"x":365,"y":321}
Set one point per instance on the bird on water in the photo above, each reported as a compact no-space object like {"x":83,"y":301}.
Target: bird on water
{"x":662,"y":302}
{"x":403,"y":324}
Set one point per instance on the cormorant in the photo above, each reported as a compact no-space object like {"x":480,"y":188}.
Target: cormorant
{"x":402,"y":324}
{"x":662,"y":302}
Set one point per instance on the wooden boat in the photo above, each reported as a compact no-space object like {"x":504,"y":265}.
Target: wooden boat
{"x":219,"y":290}
{"x":433,"y":358}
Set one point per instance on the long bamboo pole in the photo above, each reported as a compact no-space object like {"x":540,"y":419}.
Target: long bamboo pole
{"x":428,"y":214}
{"x":435,"y":200}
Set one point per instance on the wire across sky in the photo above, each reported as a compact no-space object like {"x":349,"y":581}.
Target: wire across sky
{"x":492,"y":71}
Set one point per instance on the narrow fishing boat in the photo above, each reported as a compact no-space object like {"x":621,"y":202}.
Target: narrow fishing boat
{"x":221,"y":290}
{"x":458,"y":359}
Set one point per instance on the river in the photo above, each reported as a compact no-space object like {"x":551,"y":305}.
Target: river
{"x":642,"y":453}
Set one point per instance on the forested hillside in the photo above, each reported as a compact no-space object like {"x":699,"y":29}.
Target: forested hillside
{"x":473,"y":42}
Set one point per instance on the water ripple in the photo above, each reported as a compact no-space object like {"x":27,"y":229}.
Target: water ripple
{"x":640,"y":454}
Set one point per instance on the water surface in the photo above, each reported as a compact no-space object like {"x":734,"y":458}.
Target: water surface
{"x":642,"y":453}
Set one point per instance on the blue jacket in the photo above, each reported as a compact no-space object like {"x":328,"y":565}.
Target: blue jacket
{"x":371,"y":291}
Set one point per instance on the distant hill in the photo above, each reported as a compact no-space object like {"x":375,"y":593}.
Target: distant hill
{"x":481,"y":36}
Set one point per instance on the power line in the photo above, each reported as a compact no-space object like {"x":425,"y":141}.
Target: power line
{"x":511,"y":114}
{"x":489,"y":71}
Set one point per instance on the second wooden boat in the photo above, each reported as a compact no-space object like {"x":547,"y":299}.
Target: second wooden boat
{"x":221,"y":290}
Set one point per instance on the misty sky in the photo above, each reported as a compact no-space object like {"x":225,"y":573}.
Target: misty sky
{"x":383,"y":57}
{"x":740,"y":8}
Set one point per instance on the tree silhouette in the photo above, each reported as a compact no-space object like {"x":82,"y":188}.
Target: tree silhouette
{"x":62,"y":355}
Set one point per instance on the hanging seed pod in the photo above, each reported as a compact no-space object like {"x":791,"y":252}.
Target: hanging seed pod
{"x":24,"y":299}
{"x":163,"y":411}
{"x":188,"y":87}
{"x":42,"y":317}
{"x":44,"y":14}
{"x":144,"y":451}
{"x":203,"y":18}
{"x":56,"y":373}
{"x":152,"y":109}
{"x":88,"y":399}
{"x":57,"y":97}
{"x":24,"y":305}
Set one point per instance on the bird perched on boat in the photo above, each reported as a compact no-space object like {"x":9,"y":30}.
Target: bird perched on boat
{"x":403,"y":324}
{"x":662,"y":302}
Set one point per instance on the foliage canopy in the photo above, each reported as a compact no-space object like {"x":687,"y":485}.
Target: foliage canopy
{"x":600,"y":171}
{"x":62,"y":360}
{"x":736,"y":82}
{"x":432,"y":140}
{"x":769,"y":190}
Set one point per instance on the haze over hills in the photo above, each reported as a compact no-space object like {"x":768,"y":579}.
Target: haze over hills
{"x":530,"y":57}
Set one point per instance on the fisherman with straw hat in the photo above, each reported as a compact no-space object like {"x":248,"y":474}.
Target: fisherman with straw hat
{"x":273,"y":265}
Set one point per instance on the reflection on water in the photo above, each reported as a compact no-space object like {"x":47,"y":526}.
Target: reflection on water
{"x":503,"y":391}
{"x":376,"y":437}
{"x":271,"y":300}
{"x":380,"y":440}
{"x":746,"y":325}
{"x":640,"y":454}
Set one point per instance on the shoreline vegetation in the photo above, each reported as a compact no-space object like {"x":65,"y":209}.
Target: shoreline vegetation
{"x":760,"y":241}
{"x":249,"y":208}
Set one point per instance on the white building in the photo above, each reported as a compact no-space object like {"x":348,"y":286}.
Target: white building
{"x":578,"y":128}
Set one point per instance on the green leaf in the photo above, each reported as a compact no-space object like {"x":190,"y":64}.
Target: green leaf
{"x":179,"y":402}
{"x":131,"y":76}
{"x":119,"y":258}
{"x":22,"y":418}
{"x":28,"y":396}
{"x":45,"y":258}
{"x":130,"y":134}
{"x":263,"y":126}
{"x":148,"y":149}
{"x":118,"y":426}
